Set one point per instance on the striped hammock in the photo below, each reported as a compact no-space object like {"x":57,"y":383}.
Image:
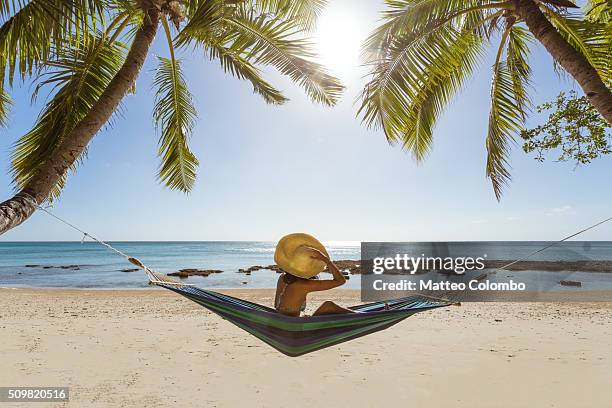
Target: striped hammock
{"x":295,"y":336}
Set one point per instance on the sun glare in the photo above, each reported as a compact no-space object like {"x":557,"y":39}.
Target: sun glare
{"x":339,"y":36}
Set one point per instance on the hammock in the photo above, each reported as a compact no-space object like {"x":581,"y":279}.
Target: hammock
{"x":295,"y":336}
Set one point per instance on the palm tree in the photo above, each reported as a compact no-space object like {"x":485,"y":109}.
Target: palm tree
{"x":423,"y":52}
{"x":90,"y":52}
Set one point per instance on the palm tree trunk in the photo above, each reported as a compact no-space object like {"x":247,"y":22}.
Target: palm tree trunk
{"x":567,"y":56}
{"x":19,"y":208}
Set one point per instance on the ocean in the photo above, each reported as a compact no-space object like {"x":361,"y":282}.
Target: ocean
{"x":101,"y":268}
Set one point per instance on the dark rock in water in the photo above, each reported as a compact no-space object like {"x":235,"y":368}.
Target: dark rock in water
{"x":130,"y":270}
{"x":72,"y":267}
{"x":254,"y":268}
{"x":345,"y":266}
{"x":183,"y":273}
{"x":481,"y":276}
{"x":180,"y":274}
{"x":32,"y":266}
{"x":570,"y":283}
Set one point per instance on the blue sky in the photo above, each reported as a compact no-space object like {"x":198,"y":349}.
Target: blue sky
{"x":267,"y":171}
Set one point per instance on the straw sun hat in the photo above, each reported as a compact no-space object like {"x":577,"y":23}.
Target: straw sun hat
{"x":292,"y":257}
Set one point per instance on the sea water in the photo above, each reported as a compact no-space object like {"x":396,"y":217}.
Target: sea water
{"x":101,"y":268}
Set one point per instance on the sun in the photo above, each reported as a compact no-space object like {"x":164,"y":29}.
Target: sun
{"x":338,"y":37}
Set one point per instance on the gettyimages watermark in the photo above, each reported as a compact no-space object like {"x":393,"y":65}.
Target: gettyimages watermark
{"x":487,"y":271}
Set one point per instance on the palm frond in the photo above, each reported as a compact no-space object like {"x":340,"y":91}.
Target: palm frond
{"x":272,"y":43}
{"x":175,"y":116}
{"x":6,"y":102}
{"x":30,"y":30}
{"x":415,"y":77}
{"x":123,"y":6}
{"x":232,"y":55}
{"x":591,"y":38}
{"x":505,"y":120}
{"x":238,"y":66}
{"x":517,"y":61}
{"x":303,"y":12}
{"x":262,"y":40}
{"x":78,"y":76}
{"x":403,"y":17}
{"x":598,"y":11}
{"x":125,"y":17}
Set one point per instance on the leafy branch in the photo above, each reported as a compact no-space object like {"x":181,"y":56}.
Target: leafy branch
{"x":575,"y":127}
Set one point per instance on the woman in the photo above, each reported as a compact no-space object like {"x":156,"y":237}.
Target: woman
{"x":301,"y":258}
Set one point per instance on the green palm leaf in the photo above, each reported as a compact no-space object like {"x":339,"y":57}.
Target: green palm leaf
{"x":5,"y":106}
{"x":598,"y":11}
{"x":30,"y":30}
{"x":303,"y":12}
{"x":233,"y":56}
{"x":259,"y":38}
{"x":78,"y":75}
{"x":238,"y":66}
{"x":411,"y":16}
{"x":417,"y":73}
{"x":505,"y":120}
{"x":518,"y":66}
{"x":175,"y":115}
{"x":592,"y":39}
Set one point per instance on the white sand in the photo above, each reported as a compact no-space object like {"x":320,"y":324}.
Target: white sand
{"x":155,"y":349}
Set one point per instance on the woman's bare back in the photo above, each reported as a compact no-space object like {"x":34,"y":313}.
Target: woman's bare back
{"x":290,"y":295}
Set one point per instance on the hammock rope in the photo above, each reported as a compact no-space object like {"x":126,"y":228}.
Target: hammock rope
{"x":154,"y":277}
{"x":549,"y":246}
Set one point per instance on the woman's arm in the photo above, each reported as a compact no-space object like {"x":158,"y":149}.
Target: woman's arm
{"x":316,"y":285}
{"x":338,"y":276}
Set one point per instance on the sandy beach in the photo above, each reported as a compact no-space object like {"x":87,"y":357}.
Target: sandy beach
{"x":151,"y":348}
